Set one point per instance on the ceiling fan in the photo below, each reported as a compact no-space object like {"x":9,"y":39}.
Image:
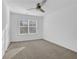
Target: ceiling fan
{"x":39,"y":5}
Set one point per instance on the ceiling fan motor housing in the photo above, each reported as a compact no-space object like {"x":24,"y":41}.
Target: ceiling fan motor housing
{"x":38,"y":6}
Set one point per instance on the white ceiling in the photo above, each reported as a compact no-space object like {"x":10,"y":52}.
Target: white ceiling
{"x":51,"y":5}
{"x":23,"y":3}
{"x":54,"y":5}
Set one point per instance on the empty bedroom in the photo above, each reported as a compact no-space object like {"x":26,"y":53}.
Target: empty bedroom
{"x":39,"y":29}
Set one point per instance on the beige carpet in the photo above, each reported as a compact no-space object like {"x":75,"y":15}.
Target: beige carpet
{"x":38,"y":49}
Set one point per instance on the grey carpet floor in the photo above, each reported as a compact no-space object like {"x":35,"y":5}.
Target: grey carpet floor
{"x":38,"y":49}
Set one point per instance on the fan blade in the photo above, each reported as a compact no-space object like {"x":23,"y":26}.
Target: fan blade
{"x":31,"y":8}
{"x":41,"y":10}
{"x":43,"y":2}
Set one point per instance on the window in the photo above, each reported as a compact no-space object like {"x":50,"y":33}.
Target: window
{"x":28,"y":26}
{"x":32,"y":26}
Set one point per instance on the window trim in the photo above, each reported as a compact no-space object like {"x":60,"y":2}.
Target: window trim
{"x":28,"y":28}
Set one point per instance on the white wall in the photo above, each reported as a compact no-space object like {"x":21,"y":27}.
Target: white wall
{"x":60,"y":23}
{"x":14,"y":27}
{"x":5,"y":27}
